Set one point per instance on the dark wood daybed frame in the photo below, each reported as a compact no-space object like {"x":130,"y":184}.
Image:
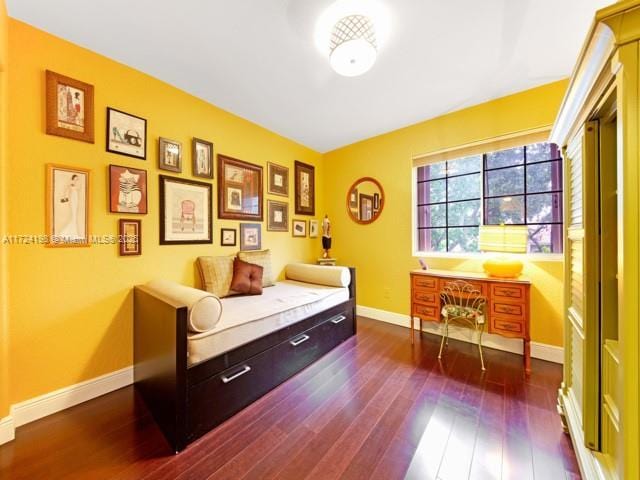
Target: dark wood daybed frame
{"x":188,"y":401}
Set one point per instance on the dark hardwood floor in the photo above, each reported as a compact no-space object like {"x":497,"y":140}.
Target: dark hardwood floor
{"x":374,"y":408}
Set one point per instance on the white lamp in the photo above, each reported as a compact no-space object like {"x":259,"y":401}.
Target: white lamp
{"x":352,"y":47}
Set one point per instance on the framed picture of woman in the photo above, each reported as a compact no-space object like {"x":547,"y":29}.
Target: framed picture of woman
{"x":67,"y":206}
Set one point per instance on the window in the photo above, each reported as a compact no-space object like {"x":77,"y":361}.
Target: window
{"x":521,"y":186}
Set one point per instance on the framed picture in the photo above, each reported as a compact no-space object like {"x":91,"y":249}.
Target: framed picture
{"x":129,"y":237}
{"x":69,"y":107}
{"x":277,"y":216}
{"x":299,"y":228}
{"x":228,"y":237}
{"x":169,"y":155}
{"x":202,"y":158}
{"x":126,"y":134}
{"x":353,"y":199}
{"x":185,"y":211}
{"x":278,"y":179}
{"x":67,"y":206}
{"x":239,"y":189}
{"x":305,"y":189}
{"x":127,"y":190}
{"x":313,"y":228}
{"x":250,"y":236}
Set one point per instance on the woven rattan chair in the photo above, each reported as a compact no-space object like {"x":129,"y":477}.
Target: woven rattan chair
{"x":462,"y":303}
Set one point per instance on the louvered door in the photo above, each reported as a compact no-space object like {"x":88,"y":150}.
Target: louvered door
{"x":581,"y":279}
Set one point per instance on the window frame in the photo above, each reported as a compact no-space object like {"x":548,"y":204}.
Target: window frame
{"x":552,"y":257}
{"x":447,"y":202}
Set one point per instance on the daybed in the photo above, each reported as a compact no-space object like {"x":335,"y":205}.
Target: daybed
{"x":193,"y":380}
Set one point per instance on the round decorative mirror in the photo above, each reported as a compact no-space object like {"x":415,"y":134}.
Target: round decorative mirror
{"x":365,"y":200}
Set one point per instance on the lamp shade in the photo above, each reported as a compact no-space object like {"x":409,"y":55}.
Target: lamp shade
{"x":503,"y":238}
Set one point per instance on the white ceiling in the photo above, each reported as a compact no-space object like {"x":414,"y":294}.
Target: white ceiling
{"x":257,"y":58}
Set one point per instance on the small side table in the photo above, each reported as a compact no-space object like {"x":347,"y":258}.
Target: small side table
{"x":327,"y":261}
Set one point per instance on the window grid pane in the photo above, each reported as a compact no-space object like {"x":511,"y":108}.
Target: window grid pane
{"x":521,"y":186}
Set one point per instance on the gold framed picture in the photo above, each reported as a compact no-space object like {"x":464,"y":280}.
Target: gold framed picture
{"x":69,"y":107}
{"x":278,"y":182}
{"x":129,"y":237}
{"x":299,"y":228}
{"x":67,"y":206}
{"x":278,"y":216}
{"x":202,"y":158}
{"x":305,"y":189}
{"x":239,"y":189}
{"x":185,"y":211}
{"x":169,"y":155}
{"x":250,"y":236}
{"x":313,"y":228}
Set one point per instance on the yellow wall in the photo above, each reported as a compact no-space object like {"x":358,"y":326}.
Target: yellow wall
{"x":71,"y":308}
{"x":382,"y":251}
{"x":4,"y":320}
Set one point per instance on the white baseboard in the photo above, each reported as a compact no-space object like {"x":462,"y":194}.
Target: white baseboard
{"x":7,"y":430}
{"x":38,"y":407}
{"x":53,"y":402}
{"x":590,"y":467}
{"x":551,"y":353}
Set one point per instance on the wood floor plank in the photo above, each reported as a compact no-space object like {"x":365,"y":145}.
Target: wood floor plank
{"x":376,"y":407}
{"x":224,"y":452}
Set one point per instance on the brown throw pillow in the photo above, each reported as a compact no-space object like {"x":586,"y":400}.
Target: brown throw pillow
{"x":247,"y":278}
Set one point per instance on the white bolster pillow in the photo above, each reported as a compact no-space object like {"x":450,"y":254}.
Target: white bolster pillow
{"x":319,"y":274}
{"x":204,"y":308}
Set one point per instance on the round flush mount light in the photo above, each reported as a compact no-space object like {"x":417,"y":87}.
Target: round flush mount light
{"x":353,"y":46}
{"x":350,"y":33}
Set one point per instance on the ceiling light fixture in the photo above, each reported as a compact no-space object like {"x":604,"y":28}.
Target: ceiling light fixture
{"x":353,"y":46}
{"x":351,"y":32}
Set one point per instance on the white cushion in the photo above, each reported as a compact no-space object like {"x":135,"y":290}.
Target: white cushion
{"x":204,"y":308}
{"x":319,"y":274}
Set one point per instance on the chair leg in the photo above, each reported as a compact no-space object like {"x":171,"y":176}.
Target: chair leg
{"x":480,"y":347}
{"x":445,"y":336}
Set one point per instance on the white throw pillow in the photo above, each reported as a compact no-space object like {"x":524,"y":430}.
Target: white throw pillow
{"x":319,"y":274}
{"x":204,"y":308}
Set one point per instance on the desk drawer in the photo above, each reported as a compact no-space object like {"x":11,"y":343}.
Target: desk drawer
{"x":424,"y":282}
{"x":507,"y":309}
{"x":509,"y":292}
{"x":428,"y":312}
{"x":480,"y":286}
{"x":425,"y":296}
{"x":507,"y":327}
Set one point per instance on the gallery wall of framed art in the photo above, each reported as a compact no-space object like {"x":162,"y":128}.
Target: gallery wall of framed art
{"x":178,"y":116}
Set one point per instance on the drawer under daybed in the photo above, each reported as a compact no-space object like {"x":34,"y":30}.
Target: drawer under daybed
{"x":219,"y":396}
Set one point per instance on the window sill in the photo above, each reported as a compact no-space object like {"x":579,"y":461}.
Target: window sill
{"x":529,"y":257}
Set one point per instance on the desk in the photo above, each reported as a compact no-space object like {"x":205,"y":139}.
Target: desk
{"x":507,"y":311}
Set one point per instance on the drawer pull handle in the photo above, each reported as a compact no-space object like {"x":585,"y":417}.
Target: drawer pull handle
{"x":338,"y":319}
{"x":300,"y":340}
{"x":245,"y":369}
